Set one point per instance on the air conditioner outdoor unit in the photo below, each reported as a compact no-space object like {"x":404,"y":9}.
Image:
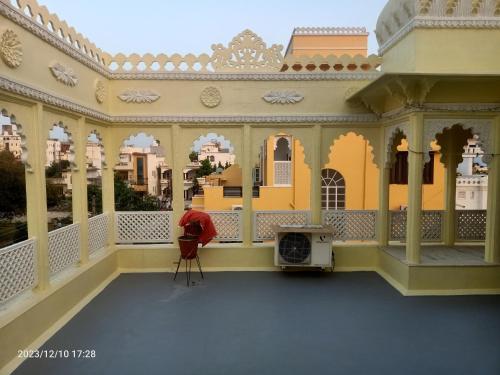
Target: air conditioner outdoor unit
{"x":303,"y":246}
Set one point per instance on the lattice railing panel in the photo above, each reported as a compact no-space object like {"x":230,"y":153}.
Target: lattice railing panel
{"x":398,"y":226}
{"x":470,"y":225}
{"x":98,"y":232}
{"x":282,"y":172}
{"x":431,"y":224}
{"x":64,"y":248}
{"x":228,"y":224}
{"x":17,"y":269}
{"x":352,"y":225}
{"x":264,"y":220}
{"x":144,"y":227}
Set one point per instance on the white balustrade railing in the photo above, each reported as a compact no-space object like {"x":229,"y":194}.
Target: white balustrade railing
{"x":64,"y":248}
{"x":98,"y":232}
{"x":352,"y":225}
{"x":17,"y":269}
{"x":470,"y":225}
{"x":431,"y":223}
{"x":229,"y":225}
{"x":264,"y":220}
{"x":144,"y":227}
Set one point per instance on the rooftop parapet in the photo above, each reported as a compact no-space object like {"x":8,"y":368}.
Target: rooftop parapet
{"x":399,"y":17}
{"x":330,"y":31}
{"x":50,"y":22}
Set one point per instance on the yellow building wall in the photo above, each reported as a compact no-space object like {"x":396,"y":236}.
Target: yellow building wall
{"x":351,"y":155}
{"x":432,"y":195}
{"x":325,"y":45}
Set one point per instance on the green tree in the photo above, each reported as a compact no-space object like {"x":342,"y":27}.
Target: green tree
{"x":56,"y":168}
{"x":94,"y":199}
{"x":12,"y":186}
{"x":55,"y":195}
{"x":127,"y":199}
{"x":220,"y":165}
{"x":205,"y":168}
{"x":193,"y":156}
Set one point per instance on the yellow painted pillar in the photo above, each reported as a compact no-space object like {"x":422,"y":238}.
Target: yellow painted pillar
{"x":108,"y":180}
{"x":36,"y":195}
{"x":79,"y":188}
{"x":450,"y":198}
{"x":383,"y":197}
{"x":177,"y":179}
{"x":247,"y":186}
{"x":415,"y":174}
{"x":492,"y":248}
{"x":316,"y":176}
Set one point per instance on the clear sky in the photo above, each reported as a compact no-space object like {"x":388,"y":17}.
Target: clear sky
{"x":174,"y":26}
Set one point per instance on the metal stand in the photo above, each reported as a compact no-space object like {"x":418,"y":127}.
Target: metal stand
{"x":188,"y":271}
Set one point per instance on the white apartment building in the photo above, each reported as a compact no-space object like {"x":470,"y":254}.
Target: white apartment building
{"x":214,"y":152}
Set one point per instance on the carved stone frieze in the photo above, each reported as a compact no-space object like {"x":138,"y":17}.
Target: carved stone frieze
{"x":64,"y":74}
{"x":100,"y":91}
{"x":139,"y":96}
{"x":11,"y":49}
{"x":211,"y":97}
{"x":283,"y":97}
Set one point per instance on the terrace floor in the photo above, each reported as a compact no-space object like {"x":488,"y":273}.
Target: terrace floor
{"x":276,"y":323}
{"x":440,"y":255}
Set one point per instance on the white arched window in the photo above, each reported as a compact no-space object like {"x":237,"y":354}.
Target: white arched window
{"x":332,"y":190}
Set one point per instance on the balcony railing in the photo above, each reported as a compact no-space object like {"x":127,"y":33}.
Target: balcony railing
{"x":352,"y":225}
{"x":264,"y":220}
{"x":431,"y":221}
{"x":470,"y":225}
{"x":282,"y":173}
{"x":229,"y":225}
{"x":98,"y":232}
{"x":144,"y":227}
{"x":17,"y":269}
{"x":64,"y":248}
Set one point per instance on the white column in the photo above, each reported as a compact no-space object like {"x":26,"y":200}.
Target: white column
{"x":247,"y":186}
{"x":79,"y":189}
{"x":383,"y":194}
{"x":316,"y":176}
{"x":492,"y":248}
{"x":108,"y":180}
{"x":415,"y":174}
{"x":36,"y":195}
{"x":177,"y":179}
{"x":450,"y":197}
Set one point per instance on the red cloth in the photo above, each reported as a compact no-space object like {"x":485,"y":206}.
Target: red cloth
{"x":208,"y":228}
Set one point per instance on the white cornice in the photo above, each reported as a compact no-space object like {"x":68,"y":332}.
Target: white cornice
{"x":38,"y":95}
{"x":444,"y":107}
{"x":248,"y":76}
{"x":424,"y":22}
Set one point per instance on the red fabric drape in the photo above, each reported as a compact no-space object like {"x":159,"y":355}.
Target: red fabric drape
{"x":208,"y":228}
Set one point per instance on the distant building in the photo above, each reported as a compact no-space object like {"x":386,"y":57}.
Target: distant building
{"x":216,"y":154}
{"x":10,"y":140}
{"x":145,"y":170}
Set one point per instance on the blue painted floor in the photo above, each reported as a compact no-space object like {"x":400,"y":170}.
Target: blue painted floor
{"x":276,"y":323}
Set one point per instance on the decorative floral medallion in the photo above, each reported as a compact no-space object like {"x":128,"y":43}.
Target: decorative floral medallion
{"x":100,"y":91}
{"x":283,"y":97}
{"x":11,"y":50}
{"x":64,"y":74}
{"x":139,"y":96}
{"x":211,"y":97}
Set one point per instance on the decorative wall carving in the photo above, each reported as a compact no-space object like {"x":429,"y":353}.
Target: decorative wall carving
{"x":11,"y":49}
{"x":247,"y":52}
{"x":211,"y":97}
{"x":64,"y":74}
{"x":139,"y":96}
{"x":32,"y":93}
{"x":283,"y":97}
{"x":100,"y":91}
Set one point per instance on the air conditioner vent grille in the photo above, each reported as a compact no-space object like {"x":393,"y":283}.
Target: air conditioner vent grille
{"x":295,"y":248}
